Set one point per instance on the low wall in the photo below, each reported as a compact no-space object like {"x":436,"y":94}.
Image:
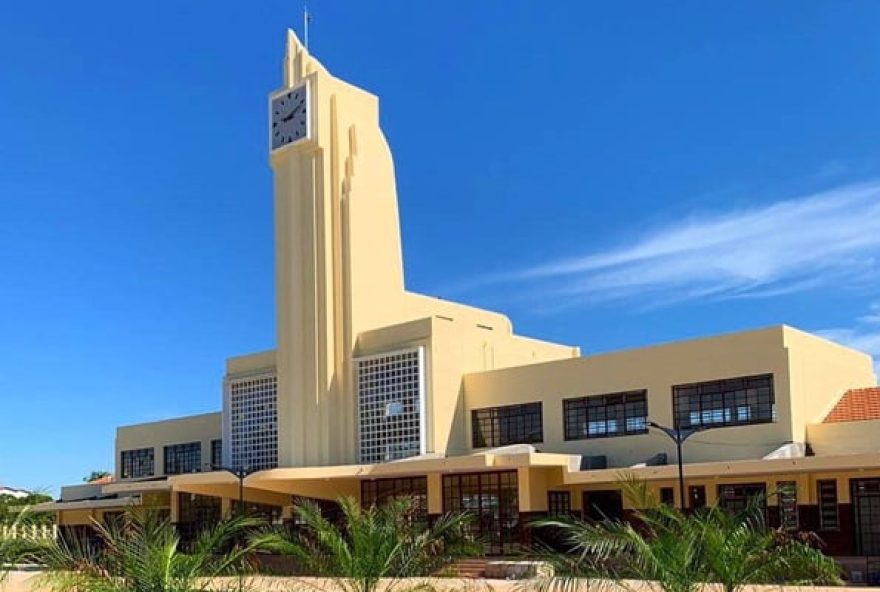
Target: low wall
{"x":23,"y":581}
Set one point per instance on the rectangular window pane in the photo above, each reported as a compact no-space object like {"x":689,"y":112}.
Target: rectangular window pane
{"x":788,"y":508}
{"x":512,"y":424}
{"x":602,"y":416}
{"x":138,"y":463}
{"x":737,"y":401}
{"x":828,"y":513}
{"x":183,"y":458}
{"x":559,"y":503}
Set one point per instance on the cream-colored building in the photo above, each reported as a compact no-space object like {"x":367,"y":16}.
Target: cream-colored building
{"x":375,"y":391}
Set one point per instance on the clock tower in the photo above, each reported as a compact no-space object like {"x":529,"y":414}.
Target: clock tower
{"x":337,"y":245}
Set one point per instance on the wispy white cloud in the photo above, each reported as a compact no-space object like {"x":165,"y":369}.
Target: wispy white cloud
{"x":787,"y":246}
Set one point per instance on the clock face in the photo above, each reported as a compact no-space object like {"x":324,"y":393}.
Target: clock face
{"x":289,"y":113}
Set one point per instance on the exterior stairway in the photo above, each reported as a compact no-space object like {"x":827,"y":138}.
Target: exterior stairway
{"x":470,"y":568}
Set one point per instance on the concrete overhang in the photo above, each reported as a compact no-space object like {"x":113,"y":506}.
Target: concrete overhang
{"x":740,"y":468}
{"x":98,"y":504}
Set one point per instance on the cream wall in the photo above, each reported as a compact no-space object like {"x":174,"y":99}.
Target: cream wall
{"x":196,"y":428}
{"x":821,"y":372}
{"x":456,"y":345}
{"x":656,"y":369}
{"x":340,"y":274}
{"x":851,"y":437}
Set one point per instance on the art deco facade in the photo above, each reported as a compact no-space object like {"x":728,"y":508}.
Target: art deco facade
{"x":374,"y":391}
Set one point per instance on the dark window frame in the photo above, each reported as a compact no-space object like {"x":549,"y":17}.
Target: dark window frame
{"x":183,"y":458}
{"x":522,"y":423}
{"x":216,"y":453}
{"x":728,"y":402}
{"x":667,"y":496}
{"x":559,"y":503}
{"x":376,"y":492}
{"x":787,"y":500}
{"x":630,"y":412}
{"x":739,"y":496}
{"x":138,"y":462}
{"x":827,"y":502}
{"x":697,"y":497}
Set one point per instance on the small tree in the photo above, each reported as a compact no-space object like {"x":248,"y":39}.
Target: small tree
{"x":679,"y":551}
{"x":374,"y":543}
{"x":141,"y":553}
{"x":95,"y":475}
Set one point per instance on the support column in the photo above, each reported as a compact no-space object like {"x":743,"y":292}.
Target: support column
{"x":435,"y":493}
{"x":175,"y":506}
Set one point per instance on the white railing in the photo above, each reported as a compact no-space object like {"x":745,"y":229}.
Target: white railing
{"x":31,"y":532}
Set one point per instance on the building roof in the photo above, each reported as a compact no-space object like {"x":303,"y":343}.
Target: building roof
{"x":856,"y":405}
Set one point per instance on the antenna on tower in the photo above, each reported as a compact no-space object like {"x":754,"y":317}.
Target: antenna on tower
{"x":307,"y":18}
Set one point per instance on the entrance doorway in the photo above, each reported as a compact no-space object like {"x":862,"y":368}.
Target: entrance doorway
{"x":866,"y":513}
{"x":493,"y":501}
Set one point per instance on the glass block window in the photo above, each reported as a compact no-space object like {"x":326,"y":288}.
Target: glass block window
{"x":511,"y":424}
{"x":559,"y":503}
{"x":391,"y":397}
{"x":216,"y":453}
{"x":138,"y":463}
{"x":829,"y":518}
{"x":786,"y":493}
{"x":737,"y":401}
{"x":378,"y":491}
{"x":183,"y":458}
{"x":603,"y":416}
{"x":252,"y":404}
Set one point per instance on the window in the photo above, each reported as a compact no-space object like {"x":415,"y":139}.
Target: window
{"x":788,"y":508}
{"x":390,"y":402}
{"x":737,"y":401}
{"x":667,"y":496}
{"x":138,"y":463}
{"x":697,"y":495}
{"x":736,"y":498}
{"x":827,"y":494}
{"x":559,"y":503}
{"x":216,"y":453}
{"x":252,"y":402}
{"x":379,"y":491}
{"x":183,"y":458}
{"x":492,"y":499}
{"x":512,"y":424}
{"x":602,"y":416}
{"x":606,"y":504}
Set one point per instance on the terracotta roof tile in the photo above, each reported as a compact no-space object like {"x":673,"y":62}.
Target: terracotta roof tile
{"x":856,"y":405}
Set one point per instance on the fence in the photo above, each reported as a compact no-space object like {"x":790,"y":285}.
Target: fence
{"x":31,"y":532}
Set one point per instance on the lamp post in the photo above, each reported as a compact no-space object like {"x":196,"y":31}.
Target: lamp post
{"x":239,"y":473}
{"x":678,"y":436}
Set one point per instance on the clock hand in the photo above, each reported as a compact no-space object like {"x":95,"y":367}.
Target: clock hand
{"x":292,"y":114}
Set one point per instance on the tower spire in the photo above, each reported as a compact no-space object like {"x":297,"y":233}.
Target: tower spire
{"x":307,"y":18}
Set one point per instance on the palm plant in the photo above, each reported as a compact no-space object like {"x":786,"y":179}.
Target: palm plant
{"x":142,"y":553}
{"x":373,"y":544}
{"x":680,"y":552}
{"x":16,"y":550}
{"x":740,"y":550}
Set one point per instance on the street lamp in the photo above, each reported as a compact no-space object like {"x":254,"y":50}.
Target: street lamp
{"x":239,"y":473}
{"x":678,"y":436}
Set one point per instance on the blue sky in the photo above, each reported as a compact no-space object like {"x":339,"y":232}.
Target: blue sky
{"x":608,"y":174}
